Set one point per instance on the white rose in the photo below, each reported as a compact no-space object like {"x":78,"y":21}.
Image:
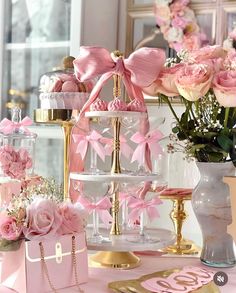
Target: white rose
{"x":175,"y":34}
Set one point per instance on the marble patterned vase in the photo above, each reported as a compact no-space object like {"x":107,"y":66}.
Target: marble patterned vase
{"x":211,"y":205}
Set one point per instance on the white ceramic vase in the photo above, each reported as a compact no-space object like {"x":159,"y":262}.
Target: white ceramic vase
{"x":211,"y":204}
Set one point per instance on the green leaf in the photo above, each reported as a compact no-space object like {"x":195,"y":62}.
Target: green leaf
{"x":225,"y":142}
{"x":215,"y":157}
{"x":175,"y":129}
{"x":9,"y":245}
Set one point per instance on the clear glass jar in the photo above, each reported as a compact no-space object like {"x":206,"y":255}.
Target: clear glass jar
{"x":61,"y":90}
{"x":17,"y":149}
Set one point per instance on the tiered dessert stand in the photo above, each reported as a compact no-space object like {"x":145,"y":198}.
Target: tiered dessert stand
{"x":116,"y":253}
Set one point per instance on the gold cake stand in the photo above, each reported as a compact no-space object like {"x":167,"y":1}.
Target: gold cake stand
{"x":178,"y":216}
{"x":115,"y":259}
{"x":60,"y":117}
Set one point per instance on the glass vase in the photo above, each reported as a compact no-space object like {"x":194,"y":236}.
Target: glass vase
{"x":211,"y":204}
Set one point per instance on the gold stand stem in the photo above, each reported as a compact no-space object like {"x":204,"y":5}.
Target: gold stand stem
{"x":114,"y":259}
{"x":67,"y":127}
{"x":115,"y":169}
{"x":178,"y":216}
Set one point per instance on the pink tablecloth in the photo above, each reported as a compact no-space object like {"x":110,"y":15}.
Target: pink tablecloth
{"x":99,"y":278}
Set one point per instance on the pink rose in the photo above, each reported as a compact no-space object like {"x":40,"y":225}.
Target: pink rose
{"x":179,"y":22}
{"x":72,"y":219}
{"x":193,"y":81}
{"x":9,"y":229}
{"x":43,"y":220}
{"x":224,"y":86}
{"x":191,"y":42}
{"x":165,"y":84}
{"x":206,"y":53}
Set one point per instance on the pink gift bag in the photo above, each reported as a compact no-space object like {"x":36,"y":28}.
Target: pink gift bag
{"x":46,"y":266}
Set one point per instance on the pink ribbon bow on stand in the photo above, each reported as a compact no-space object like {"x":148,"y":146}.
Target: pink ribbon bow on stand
{"x":140,"y":70}
{"x":146,"y":143}
{"x":138,"y":206}
{"x":101,"y":207}
{"x":125,"y":149}
{"x":7,"y":126}
{"x":92,"y":139}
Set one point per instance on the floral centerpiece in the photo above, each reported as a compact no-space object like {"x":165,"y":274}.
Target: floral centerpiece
{"x":178,"y":24}
{"x":205,"y":79}
{"x":39,"y":214}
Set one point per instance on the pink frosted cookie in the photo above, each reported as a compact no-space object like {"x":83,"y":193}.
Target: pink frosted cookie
{"x":136,"y":106}
{"x":56,"y":86}
{"x":69,"y":86}
{"x":117,"y":105}
{"x":98,"y":105}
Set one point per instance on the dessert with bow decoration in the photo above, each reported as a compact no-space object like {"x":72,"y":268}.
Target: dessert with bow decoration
{"x":122,"y":131}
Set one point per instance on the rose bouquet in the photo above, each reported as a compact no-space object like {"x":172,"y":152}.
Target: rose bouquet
{"x":38,"y":214}
{"x":205,"y":79}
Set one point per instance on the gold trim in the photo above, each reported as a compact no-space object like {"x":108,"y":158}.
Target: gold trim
{"x":52,"y":116}
{"x":51,"y":256}
{"x":115,"y":260}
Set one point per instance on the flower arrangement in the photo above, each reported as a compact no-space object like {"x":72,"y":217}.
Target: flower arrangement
{"x":206,"y":81}
{"x":38,"y":214}
{"x":14,"y":162}
{"x":178,"y":24}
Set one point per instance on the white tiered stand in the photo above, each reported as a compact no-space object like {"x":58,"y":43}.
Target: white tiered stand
{"x":117,"y":252}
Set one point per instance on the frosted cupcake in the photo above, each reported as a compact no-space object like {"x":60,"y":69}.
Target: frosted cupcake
{"x":137,"y":106}
{"x":98,"y":105}
{"x":117,"y":105}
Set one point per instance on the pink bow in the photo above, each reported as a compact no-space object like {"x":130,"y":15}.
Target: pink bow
{"x":7,"y":126}
{"x":124,"y":197}
{"x":101,"y":207}
{"x":138,"y":71}
{"x":139,"y":205}
{"x":124,"y":147}
{"x":146,"y":142}
{"x":92,"y":139}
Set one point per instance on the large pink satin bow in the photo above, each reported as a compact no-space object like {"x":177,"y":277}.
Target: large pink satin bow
{"x":148,"y":141}
{"x":125,"y":149}
{"x":138,"y":71}
{"x":92,"y":139}
{"x":138,"y":205}
{"x":7,"y":126}
{"x":101,"y":207}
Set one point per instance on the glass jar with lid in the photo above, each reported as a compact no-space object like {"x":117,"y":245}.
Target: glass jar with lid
{"x":17,"y":146}
{"x":61,"y":90}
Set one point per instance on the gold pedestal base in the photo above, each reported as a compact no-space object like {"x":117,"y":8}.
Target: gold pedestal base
{"x":185,"y":247}
{"x":115,"y":260}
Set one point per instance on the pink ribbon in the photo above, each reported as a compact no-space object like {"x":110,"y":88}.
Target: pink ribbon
{"x":125,"y":149}
{"x":139,"y":205}
{"x":92,"y":139}
{"x":148,"y":142}
{"x":124,"y":197}
{"x":138,"y":71}
{"x":101,"y":207}
{"x":7,"y":126}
